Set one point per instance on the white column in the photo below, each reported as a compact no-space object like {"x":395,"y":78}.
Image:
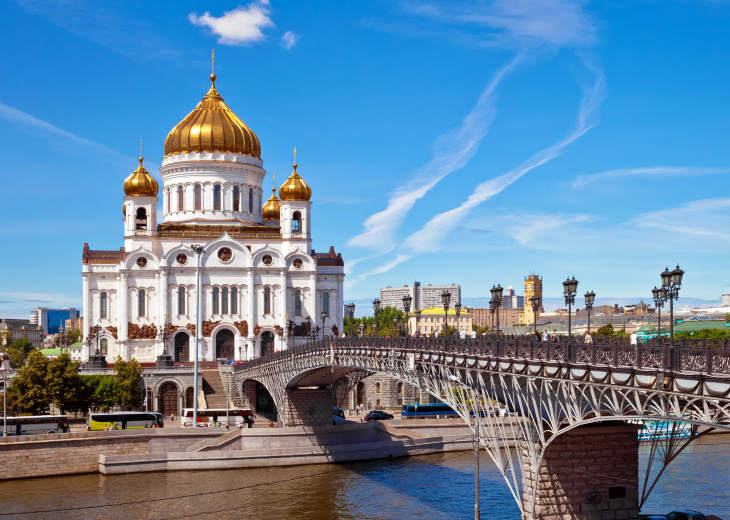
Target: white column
{"x":162,"y":307}
{"x":312,"y":307}
{"x":282,"y":308}
{"x":123,"y":318}
{"x":251,"y":313}
{"x":87,"y":311}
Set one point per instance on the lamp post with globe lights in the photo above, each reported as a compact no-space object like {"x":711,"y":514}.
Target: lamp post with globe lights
{"x":497,"y":299}
{"x":535,"y":302}
{"x":570,"y":287}
{"x":446,"y":299}
{"x":671,"y":284}
{"x":660,"y":296}
{"x":351,"y":309}
{"x":376,"y":311}
{"x":407,"y":300}
{"x":417,"y":312}
{"x":457,"y":308}
{"x":323,"y":315}
{"x":590,"y":296}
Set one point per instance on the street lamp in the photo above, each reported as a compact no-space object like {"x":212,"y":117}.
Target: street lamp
{"x":590,"y":296}
{"x":671,"y":284}
{"x":417,"y":312}
{"x":351,"y":309}
{"x":491,"y":317}
{"x":477,"y":426}
{"x":497,"y":302}
{"x":445,"y":299}
{"x":147,"y":376}
{"x":5,"y":401}
{"x":376,"y":309}
{"x":198,"y":250}
{"x":361,"y":328}
{"x":308,"y":321}
{"x":407,"y":300}
{"x":535,"y":302}
{"x":457,"y":308}
{"x":396,"y":322}
{"x":570,"y":287}
{"x":660,"y":296}
{"x":323,"y":315}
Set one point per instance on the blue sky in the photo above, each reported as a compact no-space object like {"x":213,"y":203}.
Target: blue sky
{"x":445,"y":142}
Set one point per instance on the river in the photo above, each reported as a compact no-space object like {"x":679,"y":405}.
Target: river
{"x":428,"y":487}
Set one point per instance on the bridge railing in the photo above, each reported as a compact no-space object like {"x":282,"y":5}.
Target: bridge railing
{"x":696,"y":356}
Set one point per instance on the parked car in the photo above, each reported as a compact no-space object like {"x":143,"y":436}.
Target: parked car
{"x":378,"y":415}
{"x":654,"y":517}
{"x":686,"y":515}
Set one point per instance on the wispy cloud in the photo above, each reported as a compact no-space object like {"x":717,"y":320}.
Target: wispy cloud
{"x":656,"y":171}
{"x":290,"y":39}
{"x":241,"y":26}
{"x":384,"y":268}
{"x":430,"y":236}
{"x":512,"y":23}
{"x":32,"y":123}
{"x":698,"y":218}
{"x":451,"y":152}
{"x":538,"y":225}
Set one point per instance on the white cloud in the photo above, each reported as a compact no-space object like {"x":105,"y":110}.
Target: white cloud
{"x":708,"y":218}
{"x":429,"y":237}
{"x":515,"y":22}
{"x":290,"y":39}
{"x":529,"y":235}
{"x":658,"y":171}
{"x":451,"y":152}
{"x":240,"y":26}
{"x":399,"y":259}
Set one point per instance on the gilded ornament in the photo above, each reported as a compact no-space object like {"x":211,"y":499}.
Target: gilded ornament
{"x":140,"y":183}
{"x":279,"y":330}
{"x":191,"y":328}
{"x":256,"y":330}
{"x":113,"y":331}
{"x":294,"y":188}
{"x":242,"y":327}
{"x":208,"y":327}
{"x":134,"y":331}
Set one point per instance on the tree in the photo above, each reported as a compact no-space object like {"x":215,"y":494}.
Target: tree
{"x":128,"y":377}
{"x":74,"y":336}
{"x":18,"y":351}
{"x":386,"y":327}
{"x":99,"y":392}
{"x":30,"y":385}
{"x":63,"y":384}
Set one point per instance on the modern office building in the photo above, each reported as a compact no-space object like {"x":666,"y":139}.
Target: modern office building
{"x":21,"y":329}
{"x":512,"y":301}
{"x":52,"y":320}
{"x":423,"y":297}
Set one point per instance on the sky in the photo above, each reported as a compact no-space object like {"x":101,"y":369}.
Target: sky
{"x":446,"y":142}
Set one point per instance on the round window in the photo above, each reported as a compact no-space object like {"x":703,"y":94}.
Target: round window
{"x":268,"y":260}
{"x":225,"y":254}
{"x":182,"y":259}
{"x":298,"y":263}
{"x":142,"y":261}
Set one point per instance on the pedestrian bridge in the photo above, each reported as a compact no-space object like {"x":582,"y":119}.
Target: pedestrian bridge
{"x":580,"y":404}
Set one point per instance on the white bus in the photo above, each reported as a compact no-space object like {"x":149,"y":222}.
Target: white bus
{"x":37,"y":424}
{"x":210,"y":416}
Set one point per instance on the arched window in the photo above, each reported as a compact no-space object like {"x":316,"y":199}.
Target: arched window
{"x":141,"y":219}
{"x":141,"y":303}
{"x":236,"y":199}
{"x":198,"y":197}
{"x":224,"y":301}
{"x":250,"y":200}
{"x":296,"y":222}
{"x":216,"y":292}
{"x":297,"y":302}
{"x":103,"y":306}
{"x":217,"y":197}
{"x":234,"y":300}
{"x":103,"y":346}
{"x":180,"y":198}
{"x":377,"y":388}
{"x":181,"y":300}
{"x":326,"y":303}
{"x":267,"y":300}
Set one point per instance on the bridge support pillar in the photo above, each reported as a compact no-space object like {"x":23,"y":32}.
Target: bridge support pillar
{"x":308,"y":406}
{"x":588,"y":473}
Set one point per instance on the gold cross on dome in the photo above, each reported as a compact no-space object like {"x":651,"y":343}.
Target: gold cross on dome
{"x":212,"y":62}
{"x":295,"y":154}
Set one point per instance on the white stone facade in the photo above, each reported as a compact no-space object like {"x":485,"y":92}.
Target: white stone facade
{"x":255,"y":275}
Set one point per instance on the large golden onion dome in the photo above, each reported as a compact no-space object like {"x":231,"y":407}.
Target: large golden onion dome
{"x":141,"y":183}
{"x":212,"y":127}
{"x":294,"y":188}
{"x":271,"y":208}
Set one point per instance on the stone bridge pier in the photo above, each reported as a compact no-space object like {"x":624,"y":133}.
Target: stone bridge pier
{"x":587,"y":473}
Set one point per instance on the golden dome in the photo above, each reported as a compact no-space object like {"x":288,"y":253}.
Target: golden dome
{"x":271,"y":208}
{"x":294,"y":188}
{"x":212,"y":127}
{"x":141,"y":183}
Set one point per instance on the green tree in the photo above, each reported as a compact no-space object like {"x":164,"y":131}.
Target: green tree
{"x":30,"y":385}
{"x":18,"y":351}
{"x":128,"y":377}
{"x":386,"y":327}
{"x":63,"y":384}
{"x":74,"y":336}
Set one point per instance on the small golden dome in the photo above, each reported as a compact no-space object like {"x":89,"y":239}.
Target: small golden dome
{"x":212,"y":127}
{"x":141,"y":183}
{"x":294,"y":188}
{"x":124,"y":209}
{"x":271,"y":208}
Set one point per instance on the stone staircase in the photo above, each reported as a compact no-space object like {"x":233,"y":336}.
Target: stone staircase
{"x":214,"y":388}
{"x":235,"y":396}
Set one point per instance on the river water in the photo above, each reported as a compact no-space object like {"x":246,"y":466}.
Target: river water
{"x":429,"y":487}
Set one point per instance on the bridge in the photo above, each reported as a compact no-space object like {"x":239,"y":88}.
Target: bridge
{"x":573,"y":453}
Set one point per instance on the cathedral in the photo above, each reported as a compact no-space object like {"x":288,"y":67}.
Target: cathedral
{"x":222,"y":250}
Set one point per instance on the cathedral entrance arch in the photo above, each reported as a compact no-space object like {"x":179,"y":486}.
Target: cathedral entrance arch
{"x":168,"y":399}
{"x":267,"y":343}
{"x":224,"y":344}
{"x":360,"y":394}
{"x":182,"y":347}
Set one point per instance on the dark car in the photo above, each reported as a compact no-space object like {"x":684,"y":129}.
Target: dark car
{"x":686,"y":515}
{"x":378,"y":415}
{"x":654,"y":517}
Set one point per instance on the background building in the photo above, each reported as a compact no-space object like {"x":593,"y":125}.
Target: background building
{"x":432,"y":320}
{"x":423,"y":297}
{"x":52,"y":320}
{"x":512,"y":301}
{"x":74,"y":324}
{"x":533,"y":287}
{"x":21,"y":329}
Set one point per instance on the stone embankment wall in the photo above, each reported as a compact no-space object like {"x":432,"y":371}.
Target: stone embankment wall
{"x":580,"y":469}
{"x":74,"y":453}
